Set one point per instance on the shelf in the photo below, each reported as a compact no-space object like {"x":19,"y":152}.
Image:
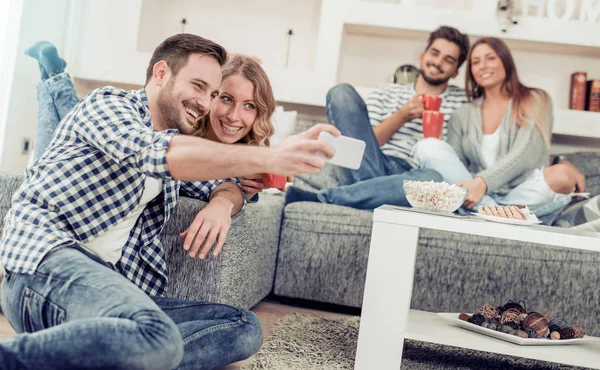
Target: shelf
{"x":543,"y":46}
{"x":398,"y":19}
{"x":429,"y":327}
{"x":97,"y":56}
{"x":540,"y":46}
{"x":577,"y":123}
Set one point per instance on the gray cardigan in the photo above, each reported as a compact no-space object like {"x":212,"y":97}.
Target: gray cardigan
{"x":522,"y":147}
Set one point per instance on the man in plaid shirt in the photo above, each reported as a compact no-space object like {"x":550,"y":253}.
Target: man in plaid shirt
{"x":113,"y":172}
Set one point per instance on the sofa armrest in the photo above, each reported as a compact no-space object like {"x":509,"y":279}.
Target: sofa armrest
{"x":242,"y":274}
{"x":9,"y":183}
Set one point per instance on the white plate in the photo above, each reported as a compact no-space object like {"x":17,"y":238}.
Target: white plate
{"x":429,"y":211}
{"x":453,"y":318}
{"x":512,"y":221}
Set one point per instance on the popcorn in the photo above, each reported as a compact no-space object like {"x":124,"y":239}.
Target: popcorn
{"x":435,"y":196}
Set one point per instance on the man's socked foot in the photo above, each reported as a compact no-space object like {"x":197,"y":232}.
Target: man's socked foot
{"x":294,"y":194}
{"x":47,"y":56}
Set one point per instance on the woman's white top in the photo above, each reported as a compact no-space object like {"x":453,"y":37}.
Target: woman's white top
{"x":489,"y":148}
{"x":108,"y":246}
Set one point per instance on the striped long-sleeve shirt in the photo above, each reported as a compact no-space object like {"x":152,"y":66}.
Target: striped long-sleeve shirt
{"x":387,"y":99}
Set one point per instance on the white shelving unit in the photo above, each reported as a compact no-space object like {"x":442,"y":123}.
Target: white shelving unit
{"x":545,"y":42}
{"x":577,"y":123}
{"x":541,"y":40}
{"x":390,"y":19}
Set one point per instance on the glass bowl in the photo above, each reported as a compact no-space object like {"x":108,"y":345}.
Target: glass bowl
{"x":434,"y":196}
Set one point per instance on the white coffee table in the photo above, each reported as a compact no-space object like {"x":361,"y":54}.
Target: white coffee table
{"x":387,"y":320}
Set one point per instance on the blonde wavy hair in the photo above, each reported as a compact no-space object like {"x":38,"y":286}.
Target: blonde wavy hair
{"x":262,"y":128}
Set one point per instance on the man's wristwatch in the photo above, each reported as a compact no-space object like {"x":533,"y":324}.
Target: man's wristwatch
{"x":559,"y":158}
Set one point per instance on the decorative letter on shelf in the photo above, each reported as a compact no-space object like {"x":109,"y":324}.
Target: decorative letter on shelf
{"x":538,"y":5}
{"x":590,"y":11}
{"x":569,"y":9}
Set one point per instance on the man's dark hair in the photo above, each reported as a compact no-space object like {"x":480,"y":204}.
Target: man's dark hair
{"x":453,"y":35}
{"x":176,"y":50}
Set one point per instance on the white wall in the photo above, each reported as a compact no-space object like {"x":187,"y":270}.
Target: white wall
{"x":105,"y":46}
{"x":258,"y":28}
{"x":41,"y":20}
{"x":10,"y":23}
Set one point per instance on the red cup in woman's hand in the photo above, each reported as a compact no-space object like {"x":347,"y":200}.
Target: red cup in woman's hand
{"x":273,"y":181}
{"x":432,"y":102}
{"x":433,"y":124}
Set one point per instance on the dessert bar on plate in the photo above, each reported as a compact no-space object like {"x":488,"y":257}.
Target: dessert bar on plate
{"x":511,"y":214}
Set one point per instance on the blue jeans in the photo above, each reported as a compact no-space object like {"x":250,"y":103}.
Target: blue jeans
{"x":380,"y":178}
{"x":75,"y":312}
{"x":534,"y":192}
{"x":56,"y":97}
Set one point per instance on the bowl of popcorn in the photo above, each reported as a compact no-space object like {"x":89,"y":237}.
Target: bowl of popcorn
{"x":434,"y":196}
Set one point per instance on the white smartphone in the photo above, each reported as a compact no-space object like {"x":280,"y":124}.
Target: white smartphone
{"x":349,"y":152}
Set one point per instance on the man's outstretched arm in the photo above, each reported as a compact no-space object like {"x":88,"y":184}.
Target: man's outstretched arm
{"x":195,"y":159}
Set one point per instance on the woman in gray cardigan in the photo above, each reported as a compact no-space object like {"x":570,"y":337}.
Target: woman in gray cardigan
{"x":498,"y":143}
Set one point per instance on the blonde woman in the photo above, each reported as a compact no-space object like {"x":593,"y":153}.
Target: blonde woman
{"x":498,"y":143}
{"x":241,"y":113}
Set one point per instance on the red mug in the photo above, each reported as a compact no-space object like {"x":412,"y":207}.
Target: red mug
{"x":273,"y":181}
{"x":432,"y":102}
{"x":433,"y":123}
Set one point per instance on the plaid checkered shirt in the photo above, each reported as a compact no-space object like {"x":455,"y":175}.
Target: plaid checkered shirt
{"x":90,"y":177}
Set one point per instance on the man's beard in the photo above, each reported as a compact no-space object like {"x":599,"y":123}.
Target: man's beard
{"x":170,"y":111}
{"x":434,"y":81}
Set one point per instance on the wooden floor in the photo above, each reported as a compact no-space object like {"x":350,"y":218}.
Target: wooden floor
{"x":267,"y":311}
